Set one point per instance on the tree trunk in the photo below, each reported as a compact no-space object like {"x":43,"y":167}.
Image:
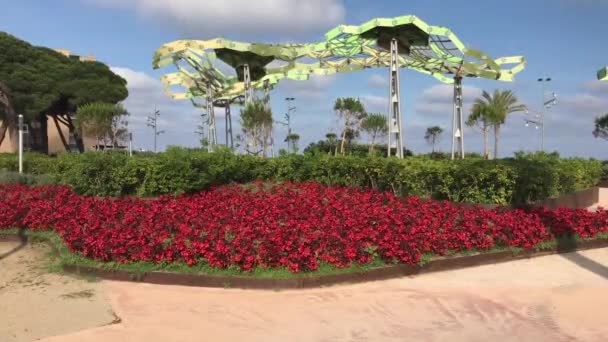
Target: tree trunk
{"x":486,"y":143}
{"x":10,"y":119}
{"x":343,"y":140}
{"x":77,"y":137}
{"x":61,"y":135}
{"x":433,"y":145}
{"x":371,"y":148}
{"x":3,"y":130}
{"x":496,"y":139}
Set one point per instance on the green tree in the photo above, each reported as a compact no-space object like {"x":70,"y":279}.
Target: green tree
{"x":293,"y":139}
{"x":480,"y":117}
{"x":331,"y":140}
{"x":106,"y":121}
{"x":352,"y":111}
{"x":376,"y":126}
{"x":44,"y":83}
{"x":350,"y":136}
{"x":601,"y":127}
{"x":256,"y":124}
{"x":433,"y":135}
{"x":497,"y":107}
{"x":8,"y":116}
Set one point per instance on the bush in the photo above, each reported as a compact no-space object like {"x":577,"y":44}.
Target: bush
{"x":293,"y":226}
{"x":526,"y":178}
{"x":11,"y":177}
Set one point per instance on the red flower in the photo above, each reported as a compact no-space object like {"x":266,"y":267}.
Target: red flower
{"x":295,"y":226}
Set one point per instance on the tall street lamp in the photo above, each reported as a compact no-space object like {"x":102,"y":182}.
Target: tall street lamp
{"x":547,"y":103}
{"x":290,"y":110}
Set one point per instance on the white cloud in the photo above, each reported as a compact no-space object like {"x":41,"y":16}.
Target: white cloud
{"x":178,"y":119}
{"x":595,"y":86}
{"x":378,"y":81}
{"x":438,"y":100}
{"x":314,"y":88}
{"x":197,"y":16}
{"x":374,"y":103}
{"x":585,"y":103}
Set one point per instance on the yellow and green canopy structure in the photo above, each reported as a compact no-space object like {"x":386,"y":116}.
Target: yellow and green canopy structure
{"x":393,"y":43}
{"x":602,"y":75}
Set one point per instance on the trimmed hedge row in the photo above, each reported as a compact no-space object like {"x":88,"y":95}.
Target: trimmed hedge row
{"x":523,"y":179}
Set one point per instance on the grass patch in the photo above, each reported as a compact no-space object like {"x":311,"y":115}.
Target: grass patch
{"x":60,"y":256}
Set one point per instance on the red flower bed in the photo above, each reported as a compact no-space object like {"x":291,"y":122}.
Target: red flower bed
{"x":289,"y":225}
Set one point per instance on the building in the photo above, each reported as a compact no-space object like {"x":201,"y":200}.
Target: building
{"x":52,"y":142}
{"x":69,"y":54}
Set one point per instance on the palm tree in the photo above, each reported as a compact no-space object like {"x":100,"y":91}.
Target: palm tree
{"x":496,"y":107}
{"x":350,"y":136}
{"x":293,"y":139}
{"x":256,"y":123}
{"x":601,"y":127}
{"x":479,"y":117}
{"x":376,"y":126}
{"x":8,"y":117}
{"x":433,"y":135}
{"x":351,"y":110}
{"x":331,"y":140}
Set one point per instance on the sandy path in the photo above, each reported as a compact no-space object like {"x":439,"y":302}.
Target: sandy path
{"x":36,"y":304}
{"x":545,"y":299}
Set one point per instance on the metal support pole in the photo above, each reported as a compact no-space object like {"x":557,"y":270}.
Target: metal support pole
{"x":395,"y":138}
{"x":153,"y":122}
{"x":211,"y":129}
{"x":247,"y":81}
{"x":267,"y":105}
{"x":290,"y":110}
{"x":229,"y":139}
{"x":542,"y":119}
{"x":155,"y":127}
{"x":20,"y":122}
{"x":457,"y":121}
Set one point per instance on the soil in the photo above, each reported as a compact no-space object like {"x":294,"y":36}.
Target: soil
{"x":36,"y":303}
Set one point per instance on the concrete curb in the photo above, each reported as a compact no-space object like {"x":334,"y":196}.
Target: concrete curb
{"x":383,"y":273}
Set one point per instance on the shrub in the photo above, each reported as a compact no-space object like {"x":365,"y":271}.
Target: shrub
{"x":527,"y":178}
{"x":10,"y":177}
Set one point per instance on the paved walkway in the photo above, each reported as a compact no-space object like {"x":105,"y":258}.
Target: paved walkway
{"x":555,"y":298}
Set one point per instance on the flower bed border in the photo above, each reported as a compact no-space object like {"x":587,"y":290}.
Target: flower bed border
{"x":316,"y":281}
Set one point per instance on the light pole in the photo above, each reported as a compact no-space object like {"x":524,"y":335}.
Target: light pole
{"x":20,"y":123}
{"x":290,"y":110}
{"x":153,"y":122}
{"x":546,"y":105}
{"x":130,"y":144}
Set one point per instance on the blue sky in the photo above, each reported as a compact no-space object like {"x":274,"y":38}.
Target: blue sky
{"x":563,"y":39}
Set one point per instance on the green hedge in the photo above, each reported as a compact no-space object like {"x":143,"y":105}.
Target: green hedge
{"x":523,"y":179}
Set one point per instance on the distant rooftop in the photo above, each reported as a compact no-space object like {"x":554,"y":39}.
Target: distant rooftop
{"x":69,"y":54}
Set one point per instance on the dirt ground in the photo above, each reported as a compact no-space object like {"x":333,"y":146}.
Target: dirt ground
{"x":35,"y":303}
{"x":555,"y":298}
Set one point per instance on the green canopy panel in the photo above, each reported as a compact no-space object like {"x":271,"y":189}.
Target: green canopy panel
{"x":602,"y":75}
{"x":433,"y":50}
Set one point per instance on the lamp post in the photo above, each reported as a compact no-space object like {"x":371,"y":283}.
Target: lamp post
{"x":130,"y":144}
{"x":290,"y":110}
{"x":20,"y":123}
{"x":153,"y":122}
{"x":546,"y":105}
